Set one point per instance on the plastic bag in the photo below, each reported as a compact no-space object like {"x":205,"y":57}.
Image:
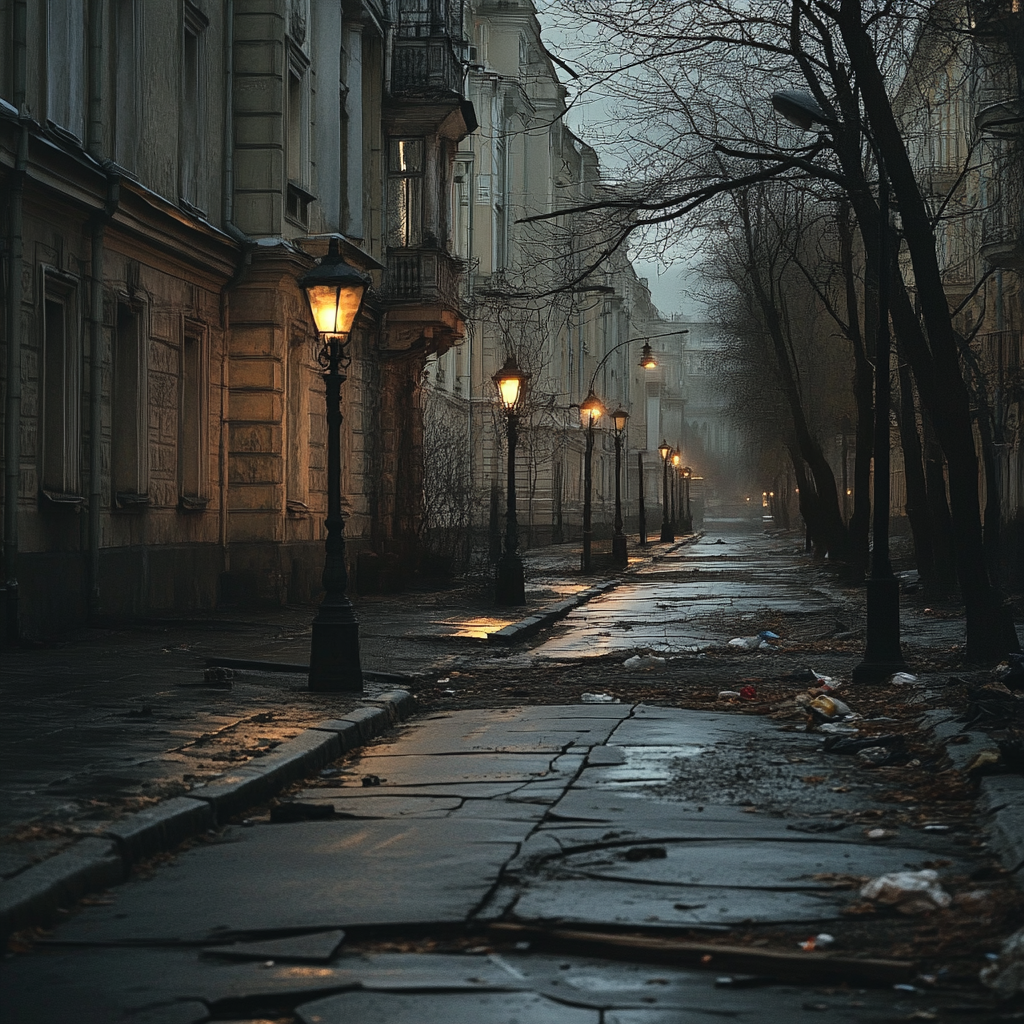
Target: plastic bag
{"x":913,"y":891}
{"x":642,"y":661}
{"x":597,"y":698}
{"x":747,"y":643}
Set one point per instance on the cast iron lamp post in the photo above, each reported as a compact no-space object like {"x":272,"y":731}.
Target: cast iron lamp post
{"x":335,"y":293}
{"x":664,"y":449}
{"x":676,"y":460}
{"x":510,"y":588}
{"x":883,"y":655}
{"x":687,"y":514}
{"x":590,"y":411}
{"x":619,"y":555}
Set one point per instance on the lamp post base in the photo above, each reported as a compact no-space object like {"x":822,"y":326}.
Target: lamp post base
{"x":510,"y":588}
{"x":883,"y":656}
{"x":334,"y":652}
{"x":667,"y":536}
{"x":619,"y":555}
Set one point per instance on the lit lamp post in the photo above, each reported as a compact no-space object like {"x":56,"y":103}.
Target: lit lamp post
{"x":882,"y":656}
{"x":335,"y":292}
{"x":687,"y":514}
{"x":511,"y":586}
{"x":590,"y":412}
{"x":619,"y":556}
{"x":664,"y":449}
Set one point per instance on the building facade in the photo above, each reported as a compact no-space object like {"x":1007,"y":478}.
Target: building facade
{"x":169,"y":168}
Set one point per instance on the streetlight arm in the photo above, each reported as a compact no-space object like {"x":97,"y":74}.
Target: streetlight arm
{"x":622,"y":344}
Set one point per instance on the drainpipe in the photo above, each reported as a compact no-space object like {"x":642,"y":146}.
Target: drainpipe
{"x":96,"y":226}
{"x":15,"y":249}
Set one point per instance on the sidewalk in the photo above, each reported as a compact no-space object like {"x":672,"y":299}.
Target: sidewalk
{"x":105,"y":722}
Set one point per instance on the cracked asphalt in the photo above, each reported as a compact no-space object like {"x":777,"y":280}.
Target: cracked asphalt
{"x":443,"y":871}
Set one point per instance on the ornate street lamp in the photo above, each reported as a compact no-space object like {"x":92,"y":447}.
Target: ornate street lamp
{"x":591,"y":410}
{"x":687,"y":514}
{"x":335,"y":293}
{"x":647,"y":360}
{"x":510,"y":586}
{"x":664,"y":450}
{"x":619,"y":556}
{"x":676,"y":459}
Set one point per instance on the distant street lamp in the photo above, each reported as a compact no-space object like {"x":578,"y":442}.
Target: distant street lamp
{"x":687,"y":514}
{"x":619,"y":555}
{"x":510,"y":588}
{"x":676,"y":459}
{"x":590,"y":411}
{"x":335,"y":293}
{"x":664,"y":449}
{"x":883,"y":655}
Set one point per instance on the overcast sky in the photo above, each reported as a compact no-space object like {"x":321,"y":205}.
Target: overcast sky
{"x":670,"y":282}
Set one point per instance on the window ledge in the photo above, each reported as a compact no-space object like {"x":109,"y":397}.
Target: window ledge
{"x":131,"y":501}
{"x":66,"y":500}
{"x":192,"y":503}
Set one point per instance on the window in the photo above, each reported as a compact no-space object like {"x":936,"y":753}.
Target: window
{"x":297,"y":454}
{"x":297,"y":166}
{"x":193,"y":115}
{"x":129,"y":463}
{"x":65,"y":65}
{"x":127,"y":92}
{"x":192,"y":425}
{"x":61,"y":426}
{"x":405,"y":192}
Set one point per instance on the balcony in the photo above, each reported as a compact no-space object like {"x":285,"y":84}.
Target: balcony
{"x":421,"y":296}
{"x":425,"y":67}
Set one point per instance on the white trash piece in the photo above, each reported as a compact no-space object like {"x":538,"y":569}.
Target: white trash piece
{"x":1006,"y":974}
{"x":642,"y":661}
{"x":748,"y":643}
{"x":903,"y":677}
{"x":728,"y":694}
{"x":907,"y":887}
{"x":838,"y":729}
{"x":598,"y":698}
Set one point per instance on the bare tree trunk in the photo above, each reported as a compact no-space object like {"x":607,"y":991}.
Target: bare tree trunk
{"x":917,"y":492}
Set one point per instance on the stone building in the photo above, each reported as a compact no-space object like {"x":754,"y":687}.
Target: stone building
{"x":168,"y":169}
{"x":530,"y":290}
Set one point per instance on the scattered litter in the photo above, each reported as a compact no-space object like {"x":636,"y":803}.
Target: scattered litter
{"x":642,"y":661}
{"x":880,"y":833}
{"x":748,"y":692}
{"x":1006,"y":973}
{"x":873,"y":757}
{"x":597,"y":698}
{"x":847,"y":745}
{"x":904,"y":987}
{"x":447,"y":693}
{"x":767,"y":634}
{"x":295,"y":810}
{"x":728,"y":694}
{"x":267,"y":963}
{"x":329,"y":773}
{"x":441,"y":682}
{"x":748,"y":643}
{"x":838,"y":729}
{"x":984,"y":761}
{"x":1011,"y":671}
{"x":821,"y":941}
{"x":938,"y":828}
{"x":830,"y":707}
{"x":372,"y":780}
{"x":911,"y":892}
{"x":825,"y":683}
{"x":521,"y":946}
{"x":903,"y":677}
{"x":742,"y":980}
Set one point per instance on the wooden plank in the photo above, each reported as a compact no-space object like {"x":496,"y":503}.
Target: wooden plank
{"x":795,"y":966}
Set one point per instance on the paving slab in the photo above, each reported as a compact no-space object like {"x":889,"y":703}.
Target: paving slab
{"x":310,"y":875}
{"x":449,"y":769}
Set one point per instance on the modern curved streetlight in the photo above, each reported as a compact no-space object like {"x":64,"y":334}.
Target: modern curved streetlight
{"x":883,"y":655}
{"x":335,"y":294}
{"x":510,"y":587}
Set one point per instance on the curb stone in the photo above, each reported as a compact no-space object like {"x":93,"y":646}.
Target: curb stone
{"x":532,"y":624}
{"x":35,"y":896}
{"x":1001,"y":797}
